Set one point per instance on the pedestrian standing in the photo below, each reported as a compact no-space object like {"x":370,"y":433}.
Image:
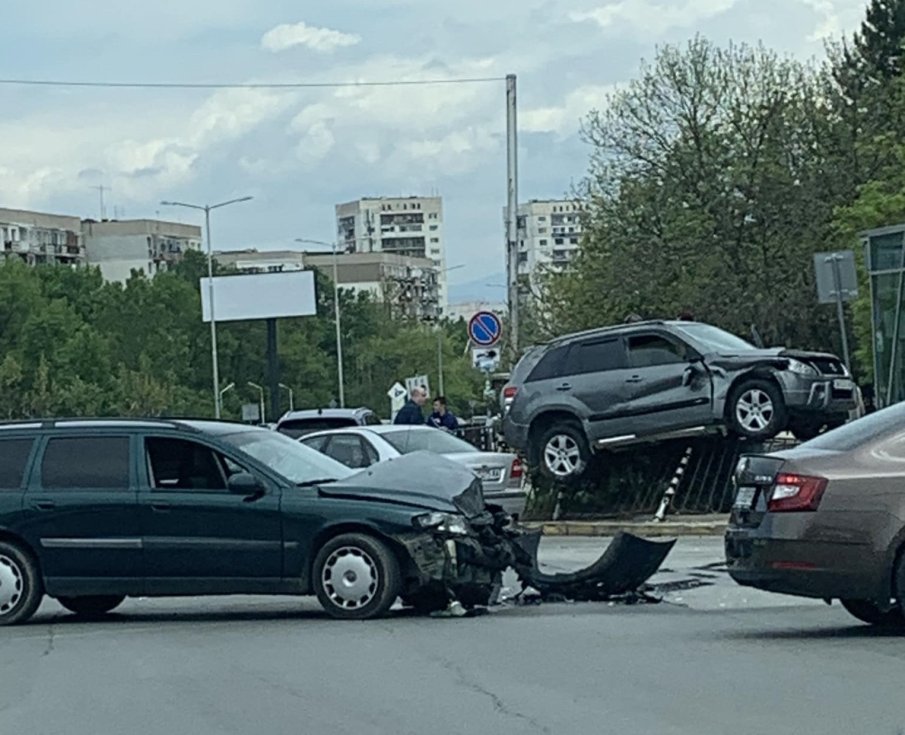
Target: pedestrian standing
{"x":410,"y":414}
{"x":442,"y":417}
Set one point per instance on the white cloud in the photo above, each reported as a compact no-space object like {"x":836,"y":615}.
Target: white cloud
{"x":652,"y":17}
{"x":564,"y":119}
{"x":324,"y":40}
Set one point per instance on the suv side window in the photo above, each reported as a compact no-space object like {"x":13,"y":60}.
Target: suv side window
{"x":596,"y":356}
{"x":551,"y":365}
{"x":95,"y":462}
{"x":178,"y":464}
{"x":14,"y":455}
{"x":649,"y":350}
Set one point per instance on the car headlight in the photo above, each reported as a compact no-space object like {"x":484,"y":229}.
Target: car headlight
{"x":450,"y":523}
{"x":801,"y":368}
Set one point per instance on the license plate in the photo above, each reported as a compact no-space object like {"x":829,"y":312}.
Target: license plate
{"x":745,"y":497}
{"x":843,"y":385}
{"x":489,"y":475}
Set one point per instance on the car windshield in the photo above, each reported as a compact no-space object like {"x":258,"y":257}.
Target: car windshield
{"x":295,"y":462}
{"x":862,"y":431}
{"x":406,"y":441}
{"x":296,"y":428}
{"x":708,"y":338}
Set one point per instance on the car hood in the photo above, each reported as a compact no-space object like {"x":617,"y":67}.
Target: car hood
{"x":777,"y":357}
{"x":420,"y":479}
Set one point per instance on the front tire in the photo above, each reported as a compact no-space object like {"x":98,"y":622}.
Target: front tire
{"x":356,"y":577}
{"x":91,"y":607}
{"x":21,"y":586}
{"x":562,"y":452}
{"x":757,"y":410}
{"x":868,"y":612}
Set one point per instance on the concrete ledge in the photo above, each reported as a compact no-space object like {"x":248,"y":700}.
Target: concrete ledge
{"x":675,"y":526}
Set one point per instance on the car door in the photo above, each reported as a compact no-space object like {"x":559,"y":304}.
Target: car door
{"x":81,"y":513}
{"x":666,"y":391}
{"x":595,"y":374}
{"x":194,"y":530}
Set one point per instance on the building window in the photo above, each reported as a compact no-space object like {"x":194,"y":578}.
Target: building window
{"x":541,"y":219}
{"x":574,"y":240}
{"x":543,"y":243}
{"x":432,"y":215}
{"x":558,"y":241}
{"x":434,"y":227}
{"x":522,"y":258}
{"x":435,"y":239}
{"x":542,"y":230}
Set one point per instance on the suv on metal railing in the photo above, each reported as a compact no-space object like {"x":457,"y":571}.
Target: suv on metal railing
{"x":625,"y":385}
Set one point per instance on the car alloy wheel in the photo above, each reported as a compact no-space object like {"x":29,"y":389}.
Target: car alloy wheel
{"x":562,"y":455}
{"x":11,"y":584}
{"x":350,"y":578}
{"x":754,"y":410}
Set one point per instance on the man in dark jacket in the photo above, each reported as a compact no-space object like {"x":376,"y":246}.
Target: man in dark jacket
{"x":442,"y":417}
{"x":410,"y":414}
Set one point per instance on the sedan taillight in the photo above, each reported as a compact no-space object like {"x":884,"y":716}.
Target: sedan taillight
{"x":796,"y":493}
{"x":517,"y":469}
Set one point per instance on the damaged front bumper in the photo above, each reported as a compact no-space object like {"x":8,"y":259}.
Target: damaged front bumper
{"x":469,"y":567}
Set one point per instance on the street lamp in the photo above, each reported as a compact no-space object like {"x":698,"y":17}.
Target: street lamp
{"x":226,"y":390}
{"x":339,"y":340}
{"x":260,"y":390}
{"x":291,"y":396}
{"x":206,"y":208}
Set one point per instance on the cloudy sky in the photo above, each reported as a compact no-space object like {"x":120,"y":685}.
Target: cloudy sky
{"x":299,"y":152}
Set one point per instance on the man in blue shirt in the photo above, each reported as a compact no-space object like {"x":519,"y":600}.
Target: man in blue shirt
{"x":410,"y":414}
{"x":442,"y":417}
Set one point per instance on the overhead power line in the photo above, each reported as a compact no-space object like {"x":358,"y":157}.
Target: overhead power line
{"x":248,"y":85}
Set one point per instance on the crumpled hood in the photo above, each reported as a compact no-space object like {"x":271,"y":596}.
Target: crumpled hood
{"x":774,"y":352}
{"x":420,"y":479}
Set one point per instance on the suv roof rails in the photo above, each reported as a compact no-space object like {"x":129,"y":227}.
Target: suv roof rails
{"x":46,"y":423}
{"x":606,"y":330}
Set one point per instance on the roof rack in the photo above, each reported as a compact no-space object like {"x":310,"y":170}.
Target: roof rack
{"x":54,"y":423}
{"x":607,"y":330}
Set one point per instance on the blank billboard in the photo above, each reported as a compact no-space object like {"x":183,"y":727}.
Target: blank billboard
{"x":259,"y":296}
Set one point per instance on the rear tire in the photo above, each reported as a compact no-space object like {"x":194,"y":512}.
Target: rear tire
{"x":94,"y":606}
{"x":757,"y":410}
{"x":562,"y":452}
{"x":868,"y":612}
{"x":21,"y":586}
{"x":356,"y":577}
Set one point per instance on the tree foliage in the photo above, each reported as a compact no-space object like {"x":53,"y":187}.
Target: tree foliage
{"x":71,"y":344}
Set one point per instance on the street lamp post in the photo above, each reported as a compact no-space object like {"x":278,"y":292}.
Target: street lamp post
{"x":206,"y":208}
{"x":260,"y":390}
{"x":336,"y":312}
{"x":291,"y":396}
{"x":226,"y":390}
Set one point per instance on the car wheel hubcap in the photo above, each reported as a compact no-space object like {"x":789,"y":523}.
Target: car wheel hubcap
{"x":754,"y":410}
{"x":350,"y":578}
{"x":562,"y":455}
{"x":11,"y":584}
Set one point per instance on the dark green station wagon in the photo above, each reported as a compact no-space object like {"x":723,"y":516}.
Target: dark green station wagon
{"x":94,"y":511}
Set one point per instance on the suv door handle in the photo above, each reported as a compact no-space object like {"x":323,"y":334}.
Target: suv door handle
{"x":161,"y":507}
{"x":564,"y":387}
{"x":634,"y":379}
{"x":44,"y":505}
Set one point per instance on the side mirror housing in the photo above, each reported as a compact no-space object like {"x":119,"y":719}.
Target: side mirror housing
{"x":244,"y":483}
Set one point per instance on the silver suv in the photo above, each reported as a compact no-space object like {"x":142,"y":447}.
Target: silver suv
{"x":649,"y":381}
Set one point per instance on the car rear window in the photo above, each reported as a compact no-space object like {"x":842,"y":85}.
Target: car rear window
{"x":93,"y":462}
{"x":300,"y":427}
{"x":595,"y":356}
{"x":405,"y":441}
{"x":862,"y":431}
{"x":13,"y":460}
{"x":551,"y":365}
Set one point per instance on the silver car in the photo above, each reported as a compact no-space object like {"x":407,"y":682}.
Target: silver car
{"x":360,"y":447}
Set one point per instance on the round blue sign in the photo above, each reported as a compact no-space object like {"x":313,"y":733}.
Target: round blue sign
{"x":485,"y":329}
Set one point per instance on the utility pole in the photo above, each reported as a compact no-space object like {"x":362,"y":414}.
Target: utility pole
{"x":512,"y":219}
{"x":103,"y":208}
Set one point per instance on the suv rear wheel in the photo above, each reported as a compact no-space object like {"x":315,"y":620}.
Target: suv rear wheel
{"x":756,"y":409}
{"x":21,"y":587}
{"x":562,"y":451}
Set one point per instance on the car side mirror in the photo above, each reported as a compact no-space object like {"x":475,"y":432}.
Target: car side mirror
{"x":244,"y":483}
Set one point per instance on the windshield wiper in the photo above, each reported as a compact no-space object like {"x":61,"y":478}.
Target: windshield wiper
{"x":312,"y":483}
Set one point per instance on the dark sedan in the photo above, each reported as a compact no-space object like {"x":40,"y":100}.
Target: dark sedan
{"x":827,"y":519}
{"x":92,"y":512}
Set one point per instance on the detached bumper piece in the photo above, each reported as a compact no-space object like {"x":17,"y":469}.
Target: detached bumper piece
{"x":628,"y":562}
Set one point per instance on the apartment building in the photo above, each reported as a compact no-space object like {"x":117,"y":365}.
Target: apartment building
{"x":407,"y":226}
{"x":40,"y":238}
{"x":119,"y":247}
{"x":549,"y":235}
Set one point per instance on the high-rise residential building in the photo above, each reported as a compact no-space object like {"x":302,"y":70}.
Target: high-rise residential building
{"x":407,"y":226}
{"x":40,"y":238}
{"x":118,"y":247}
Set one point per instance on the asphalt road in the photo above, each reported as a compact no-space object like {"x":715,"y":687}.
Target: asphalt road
{"x":712,"y":660}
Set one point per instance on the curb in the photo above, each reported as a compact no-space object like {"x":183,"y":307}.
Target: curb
{"x":650,"y":529}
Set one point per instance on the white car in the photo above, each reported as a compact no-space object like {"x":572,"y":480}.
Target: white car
{"x":359,"y":447}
